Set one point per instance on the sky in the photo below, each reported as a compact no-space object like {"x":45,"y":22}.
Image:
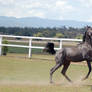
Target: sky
{"x":80,"y":10}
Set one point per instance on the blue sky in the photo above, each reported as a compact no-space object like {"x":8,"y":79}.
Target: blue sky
{"x":80,"y":10}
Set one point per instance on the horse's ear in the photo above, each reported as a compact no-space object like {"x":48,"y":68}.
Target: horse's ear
{"x":88,"y":27}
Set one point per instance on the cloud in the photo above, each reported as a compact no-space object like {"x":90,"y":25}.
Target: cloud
{"x":7,"y":2}
{"x":36,"y":13}
{"x":51,"y":9}
{"x":64,"y":6}
{"x":86,"y":3}
{"x":31,"y":5}
{"x":45,"y":9}
{"x":61,"y":8}
{"x":90,"y":19}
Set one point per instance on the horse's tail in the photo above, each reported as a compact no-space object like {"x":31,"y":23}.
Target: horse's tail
{"x":60,"y":56}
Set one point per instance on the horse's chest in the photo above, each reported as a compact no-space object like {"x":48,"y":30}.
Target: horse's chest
{"x":89,"y":53}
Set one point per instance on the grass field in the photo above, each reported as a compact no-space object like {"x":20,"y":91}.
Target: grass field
{"x":19,"y":74}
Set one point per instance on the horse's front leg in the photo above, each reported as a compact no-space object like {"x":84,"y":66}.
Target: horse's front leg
{"x":89,"y":66}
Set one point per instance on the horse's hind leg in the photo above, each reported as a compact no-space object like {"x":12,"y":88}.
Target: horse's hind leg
{"x":53,"y":70}
{"x":65,"y":67}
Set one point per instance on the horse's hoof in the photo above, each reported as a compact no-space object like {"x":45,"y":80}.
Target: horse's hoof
{"x":71,"y":81}
{"x":83,"y":79}
{"x":51,"y":82}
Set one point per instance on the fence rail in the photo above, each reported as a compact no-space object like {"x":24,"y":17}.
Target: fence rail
{"x":30,"y":42}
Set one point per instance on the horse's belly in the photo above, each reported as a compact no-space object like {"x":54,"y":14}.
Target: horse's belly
{"x":75,"y":58}
{"x":74,"y":54}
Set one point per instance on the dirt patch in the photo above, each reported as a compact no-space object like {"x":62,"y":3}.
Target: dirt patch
{"x":6,"y":82}
{"x":77,"y":83}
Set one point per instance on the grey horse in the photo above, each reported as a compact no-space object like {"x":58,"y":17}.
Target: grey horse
{"x":65,"y":56}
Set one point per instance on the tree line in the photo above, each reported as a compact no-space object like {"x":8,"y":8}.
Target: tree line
{"x":62,"y":32}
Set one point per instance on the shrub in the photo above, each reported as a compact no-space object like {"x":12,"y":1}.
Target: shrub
{"x":4,"y":48}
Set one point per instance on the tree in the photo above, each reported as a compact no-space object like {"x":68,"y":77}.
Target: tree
{"x":5,"y":48}
{"x":59,"y":35}
{"x":79,"y":36}
{"x":38,"y":34}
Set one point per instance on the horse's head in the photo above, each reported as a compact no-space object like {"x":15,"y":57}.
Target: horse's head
{"x":49,"y":48}
{"x":88,"y":35}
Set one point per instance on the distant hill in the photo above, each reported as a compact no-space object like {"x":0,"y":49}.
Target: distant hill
{"x":39,"y":22}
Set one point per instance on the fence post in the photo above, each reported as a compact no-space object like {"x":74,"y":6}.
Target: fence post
{"x":0,"y":45}
{"x":60,"y":44}
{"x":30,"y":45}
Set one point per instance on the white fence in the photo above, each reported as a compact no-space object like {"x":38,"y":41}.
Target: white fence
{"x":30,"y":42}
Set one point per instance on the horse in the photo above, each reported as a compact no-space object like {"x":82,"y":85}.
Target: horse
{"x":64,"y":56}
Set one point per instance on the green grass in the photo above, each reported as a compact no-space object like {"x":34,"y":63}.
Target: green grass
{"x":22,"y":50}
{"x":32,"y":75}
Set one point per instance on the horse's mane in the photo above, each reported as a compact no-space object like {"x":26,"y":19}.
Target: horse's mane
{"x":84,"y":37}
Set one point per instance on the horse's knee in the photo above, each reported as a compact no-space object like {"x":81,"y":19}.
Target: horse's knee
{"x":51,"y":69}
{"x":51,"y":72}
{"x":63,"y":72}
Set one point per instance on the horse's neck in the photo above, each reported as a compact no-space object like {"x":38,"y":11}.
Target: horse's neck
{"x":88,"y":41}
{"x":87,"y":44}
